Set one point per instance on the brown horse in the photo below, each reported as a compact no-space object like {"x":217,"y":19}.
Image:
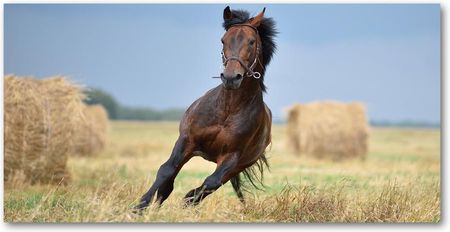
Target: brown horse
{"x":230,"y":125}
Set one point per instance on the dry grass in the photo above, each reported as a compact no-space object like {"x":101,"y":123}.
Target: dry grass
{"x":328,"y":129}
{"x":334,"y":204}
{"x":398,"y":182}
{"x":40,"y":119}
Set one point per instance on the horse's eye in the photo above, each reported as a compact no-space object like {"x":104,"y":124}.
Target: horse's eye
{"x":252,"y":42}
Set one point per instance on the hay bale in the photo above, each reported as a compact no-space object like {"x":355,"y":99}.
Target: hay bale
{"x":41,"y":117}
{"x":328,"y":129}
{"x":92,"y":133}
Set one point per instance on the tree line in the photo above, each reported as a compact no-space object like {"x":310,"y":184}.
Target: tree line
{"x":117,"y":111}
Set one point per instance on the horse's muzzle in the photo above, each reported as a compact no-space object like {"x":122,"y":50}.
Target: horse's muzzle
{"x":231,"y":82}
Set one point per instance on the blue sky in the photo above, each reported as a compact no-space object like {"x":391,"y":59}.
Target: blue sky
{"x":162,"y":56}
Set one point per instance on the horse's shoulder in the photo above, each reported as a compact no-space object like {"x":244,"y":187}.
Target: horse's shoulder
{"x":200,"y":111}
{"x":207,"y":96}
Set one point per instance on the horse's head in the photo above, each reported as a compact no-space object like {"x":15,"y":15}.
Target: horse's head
{"x":241,"y":50}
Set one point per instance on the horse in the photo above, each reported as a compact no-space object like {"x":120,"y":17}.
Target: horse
{"x":230,"y":125}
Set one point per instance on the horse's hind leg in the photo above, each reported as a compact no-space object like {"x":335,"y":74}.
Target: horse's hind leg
{"x":166,"y":174}
{"x":221,"y":175}
{"x":236,"y":183}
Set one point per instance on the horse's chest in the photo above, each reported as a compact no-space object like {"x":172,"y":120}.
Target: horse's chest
{"x":227,"y":138}
{"x":223,"y":134}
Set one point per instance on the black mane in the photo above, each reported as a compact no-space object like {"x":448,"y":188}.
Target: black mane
{"x":266,"y":31}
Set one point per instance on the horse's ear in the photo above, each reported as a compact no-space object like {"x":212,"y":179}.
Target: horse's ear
{"x":227,"y":13}
{"x":256,"y":21}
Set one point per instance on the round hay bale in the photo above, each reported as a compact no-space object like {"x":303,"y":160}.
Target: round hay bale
{"x":92,"y":134}
{"x":41,"y":117}
{"x":328,"y":129}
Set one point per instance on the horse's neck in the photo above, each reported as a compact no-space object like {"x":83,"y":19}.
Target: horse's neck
{"x":249,"y":94}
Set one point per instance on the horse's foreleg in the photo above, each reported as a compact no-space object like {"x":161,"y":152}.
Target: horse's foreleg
{"x":166,"y":174}
{"x":221,"y":175}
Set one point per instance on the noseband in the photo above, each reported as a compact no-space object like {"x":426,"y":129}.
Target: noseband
{"x":249,"y":70}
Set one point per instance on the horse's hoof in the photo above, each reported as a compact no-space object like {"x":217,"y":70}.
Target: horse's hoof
{"x":136,"y":211}
{"x":190,"y":202}
{"x":187,"y":202}
{"x":139,"y":209}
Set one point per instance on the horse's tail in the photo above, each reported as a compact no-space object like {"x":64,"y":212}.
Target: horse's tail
{"x":253,"y":176}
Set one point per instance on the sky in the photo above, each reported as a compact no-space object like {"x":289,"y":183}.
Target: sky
{"x":163,"y":56}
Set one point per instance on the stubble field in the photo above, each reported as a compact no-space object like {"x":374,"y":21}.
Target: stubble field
{"x":399,"y":181}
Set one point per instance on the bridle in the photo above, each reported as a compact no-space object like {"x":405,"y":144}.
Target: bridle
{"x":249,"y":70}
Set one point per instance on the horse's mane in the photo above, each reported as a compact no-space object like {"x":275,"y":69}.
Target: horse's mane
{"x":266,"y":31}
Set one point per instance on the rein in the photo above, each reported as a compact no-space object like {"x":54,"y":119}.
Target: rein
{"x":249,"y":70}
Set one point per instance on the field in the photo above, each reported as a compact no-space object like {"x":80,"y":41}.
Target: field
{"x":398,"y":182}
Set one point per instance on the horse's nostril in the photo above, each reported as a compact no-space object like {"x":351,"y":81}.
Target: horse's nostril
{"x":221,"y":75}
{"x":238,"y":77}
